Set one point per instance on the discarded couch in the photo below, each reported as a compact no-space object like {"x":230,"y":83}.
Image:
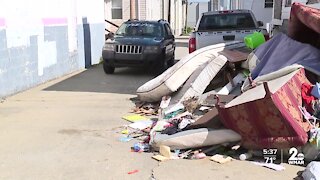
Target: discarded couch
{"x":267,"y":116}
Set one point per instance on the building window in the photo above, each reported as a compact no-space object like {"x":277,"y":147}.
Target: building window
{"x":116,"y":9}
{"x":288,"y":3}
{"x":268,"y":3}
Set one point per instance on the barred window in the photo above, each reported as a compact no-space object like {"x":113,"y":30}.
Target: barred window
{"x":268,"y":3}
{"x":116,"y":9}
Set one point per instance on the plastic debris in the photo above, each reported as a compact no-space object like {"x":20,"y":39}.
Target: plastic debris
{"x":126,"y":131}
{"x":204,"y":108}
{"x":245,"y":156}
{"x":199,"y":155}
{"x":161,"y":125}
{"x":165,"y":102}
{"x":141,"y":147}
{"x":134,"y":118}
{"x":141,"y":124}
{"x":134,"y":171}
{"x":125,"y":139}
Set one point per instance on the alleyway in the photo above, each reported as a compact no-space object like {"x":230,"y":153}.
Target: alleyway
{"x":64,"y":129}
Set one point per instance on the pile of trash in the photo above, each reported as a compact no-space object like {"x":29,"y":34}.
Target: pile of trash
{"x":227,"y":100}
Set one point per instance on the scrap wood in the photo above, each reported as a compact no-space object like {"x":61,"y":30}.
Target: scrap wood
{"x":191,"y":104}
{"x":234,"y":55}
{"x":142,"y":111}
{"x":146,"y":109}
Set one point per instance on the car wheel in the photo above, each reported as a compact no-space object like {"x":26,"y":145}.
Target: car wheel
{"x":162,"y":65}
{"x":171,"y":61}
{"x":108,"y":69}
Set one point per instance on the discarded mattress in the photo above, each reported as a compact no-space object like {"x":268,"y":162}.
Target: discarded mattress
{"x":195,"y":138}
{"x":199,"y":80}
{"x":267,"y":116}
{"x":173,"y":78}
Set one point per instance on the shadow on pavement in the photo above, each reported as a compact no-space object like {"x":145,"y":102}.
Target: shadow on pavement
{"x":182,"y":44}
{"x":124,"y":81}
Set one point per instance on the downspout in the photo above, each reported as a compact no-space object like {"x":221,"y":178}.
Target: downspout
{"x":169,"y":12}
{"x":162,"y":10}
{"x":186,"y":18}
{"x":132,"y":9}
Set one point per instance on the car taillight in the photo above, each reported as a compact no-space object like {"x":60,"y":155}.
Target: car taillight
{"x":225,"y":12}
{"x":192,"y":44}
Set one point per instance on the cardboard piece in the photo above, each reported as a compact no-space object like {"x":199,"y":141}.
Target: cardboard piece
{"x":160,"y":158}
{"x":165,"y":151}
{"x":211,"y":119}
{"x":221,"y":158}
{"x":208,"y":120}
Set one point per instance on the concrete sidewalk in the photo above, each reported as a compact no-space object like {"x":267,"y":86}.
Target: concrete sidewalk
{"x":67,"y":129}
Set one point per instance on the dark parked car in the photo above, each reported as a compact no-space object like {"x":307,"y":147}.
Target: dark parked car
{"x":140,"y":43}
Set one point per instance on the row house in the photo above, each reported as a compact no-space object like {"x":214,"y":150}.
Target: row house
{"x":119,"y":11}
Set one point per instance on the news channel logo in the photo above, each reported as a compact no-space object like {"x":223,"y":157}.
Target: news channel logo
{"x":272,"y":154}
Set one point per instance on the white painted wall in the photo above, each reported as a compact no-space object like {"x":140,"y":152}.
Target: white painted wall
{"x":285,"y":14}
{"x":153,"y":9}
{"x":286,"y":10}
{"x":43,"y":39}
{"x":260,"y":12}
{"x":192,"y":12}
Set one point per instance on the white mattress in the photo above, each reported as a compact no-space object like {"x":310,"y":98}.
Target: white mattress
{"x":195,"y":138}
{"x":195,"y":86}
{"x":173,"y":78}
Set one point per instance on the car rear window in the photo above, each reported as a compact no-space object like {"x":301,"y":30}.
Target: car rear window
{"x":140,"y":29}
{"x":226,"y":21}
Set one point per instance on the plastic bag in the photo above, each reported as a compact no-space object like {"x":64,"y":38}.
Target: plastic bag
{"x":316,"y":90}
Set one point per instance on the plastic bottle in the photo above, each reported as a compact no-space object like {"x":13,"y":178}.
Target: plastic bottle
{"x":141,"y":147}
{"x":245,"y":156}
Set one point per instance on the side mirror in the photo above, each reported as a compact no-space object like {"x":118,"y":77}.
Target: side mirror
{"x":170,"y":36}
{"x":260,"y":23}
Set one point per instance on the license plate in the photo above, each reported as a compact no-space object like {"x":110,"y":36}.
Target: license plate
{"x":228,"y":38}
